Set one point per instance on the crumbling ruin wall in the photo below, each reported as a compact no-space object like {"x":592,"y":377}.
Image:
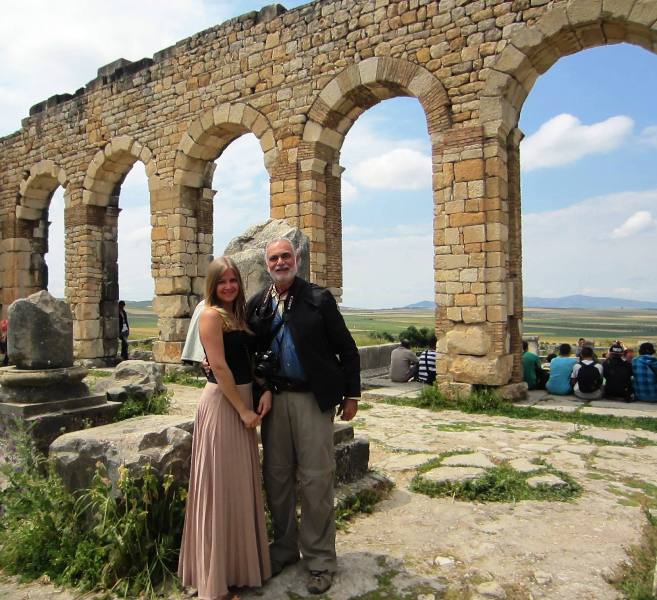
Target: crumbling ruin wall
{"x":298,"y":80}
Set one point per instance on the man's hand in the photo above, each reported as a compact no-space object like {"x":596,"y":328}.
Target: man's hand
{"x":264,"y":406}
{"x":348,"y":409}
{"x":205,"y":365}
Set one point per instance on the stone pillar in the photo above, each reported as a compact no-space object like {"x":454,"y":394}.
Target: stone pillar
{"x":85,"y":236}
{"x":471,"y":232}
{"x":333,"y":224}
{"x":515,"y":252}
{"x":181,"y":243}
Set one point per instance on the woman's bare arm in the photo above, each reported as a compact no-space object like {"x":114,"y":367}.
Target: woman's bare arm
{"x":210,"y":327}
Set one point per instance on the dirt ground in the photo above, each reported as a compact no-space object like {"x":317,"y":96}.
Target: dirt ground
{"x":413,"y":546}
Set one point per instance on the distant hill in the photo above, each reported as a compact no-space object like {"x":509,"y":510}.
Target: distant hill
{"x":139,"y":303}
{"x":591,"y":302}
{"x":576,"y":301}
{"x":422,"y":304}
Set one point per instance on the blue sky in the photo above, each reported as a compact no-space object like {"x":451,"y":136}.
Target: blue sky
{"x":589,"y":176}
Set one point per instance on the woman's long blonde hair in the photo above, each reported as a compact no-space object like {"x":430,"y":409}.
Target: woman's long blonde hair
{"x":216,"y":270}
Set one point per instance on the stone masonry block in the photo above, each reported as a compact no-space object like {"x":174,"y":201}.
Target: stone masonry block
{"x":469,"y":170}
{"x":468,"y":339}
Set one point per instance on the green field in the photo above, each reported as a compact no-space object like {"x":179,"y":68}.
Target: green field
{"x":550,"y":324}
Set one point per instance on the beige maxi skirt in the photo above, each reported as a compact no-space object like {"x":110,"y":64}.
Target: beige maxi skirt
{"x":224,"y":539}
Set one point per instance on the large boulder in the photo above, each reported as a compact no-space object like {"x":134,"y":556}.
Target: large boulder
{"x":162,"y":441}
{"x":40,"y":332}
{"x":247,"y":250}
{"x":136,"y":378}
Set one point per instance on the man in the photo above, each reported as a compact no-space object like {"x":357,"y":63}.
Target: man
{"x":316,"y":367}
{"x":644,"y":368}
{"x":560,"y":370}
{"x":587,"y":376}
{"x":532,"y":371}
{"x":618,"y":374}
{"x":427,"y":367}
{"x":580,"y":345}
{"x":124,"y":330}
{"x":403,"y":363}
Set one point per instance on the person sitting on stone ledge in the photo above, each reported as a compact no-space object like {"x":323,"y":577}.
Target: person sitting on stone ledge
{"x":644,"y":368}
{"x":587,"y":376}
{"x":560,"y":369}
{"x":532,"y":371}
{"x":427,"y":368}
{"x":403,"y":363}
{"x":618,"y":374}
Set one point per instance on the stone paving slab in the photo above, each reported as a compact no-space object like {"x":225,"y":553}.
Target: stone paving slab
{"x":476,"y":459}
{"x":390,"y":392}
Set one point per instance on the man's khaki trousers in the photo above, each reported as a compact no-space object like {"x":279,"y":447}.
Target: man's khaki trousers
{"x":297,"y":441}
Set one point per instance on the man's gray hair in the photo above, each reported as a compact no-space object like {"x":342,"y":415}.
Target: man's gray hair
{"x":282,"y":239}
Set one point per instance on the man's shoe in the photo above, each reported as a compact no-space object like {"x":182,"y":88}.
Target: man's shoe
{"x":278,"y":566}
{"x":319,"y":582}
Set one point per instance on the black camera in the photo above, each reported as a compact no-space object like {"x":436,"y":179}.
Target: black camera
{"x":266,"y":364}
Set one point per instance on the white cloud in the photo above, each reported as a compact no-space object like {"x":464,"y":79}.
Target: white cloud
{"x":379,"y":270}
{"x":638,"y":222}
{"x":53,"y":50}
{"x":564,"y":139}
{"x":649,"y":135}
{"x":571,"y":250}
{"x":349,"y":192}
{"x":401,"y":169}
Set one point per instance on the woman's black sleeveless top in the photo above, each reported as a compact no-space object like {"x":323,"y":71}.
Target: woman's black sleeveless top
{"x":238,"y":347}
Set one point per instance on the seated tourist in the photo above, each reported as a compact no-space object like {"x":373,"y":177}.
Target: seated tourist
{"x":403,"y":363}
{"x":587,"y":376}
{"x":644,"y":369}
{"x":618,"y":374}
{"x":427,"y":368}
{"x":561,"y":368}
{"x":532,"y":371}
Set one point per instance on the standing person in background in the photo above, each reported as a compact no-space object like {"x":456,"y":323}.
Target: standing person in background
{"x":580,"y":345}
{"x":644,"y":368}
{"x":427,"y":368}
{"x":560,"y":369}
{"x":3,"y":341}
{"x":403,"y":363}
{"x":124,"y":330}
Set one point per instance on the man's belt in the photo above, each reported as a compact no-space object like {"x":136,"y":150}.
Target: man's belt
{"x":283,"y":384}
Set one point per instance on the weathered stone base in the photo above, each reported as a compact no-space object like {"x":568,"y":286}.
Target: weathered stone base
{"x":352,"y":455}
{"x":165,"y":442}
{"x":454,"y":390}
{"x":46,"y":421}
{"x":513,"y":391}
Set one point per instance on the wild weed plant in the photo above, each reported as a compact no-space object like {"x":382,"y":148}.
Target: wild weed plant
{"x":122,"y":536}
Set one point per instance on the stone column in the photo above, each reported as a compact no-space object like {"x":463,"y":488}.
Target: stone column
{"x":471,"y":262}
{"x":515,"y":252}
{"x":181,"y":243}
{"x":85,"y":233}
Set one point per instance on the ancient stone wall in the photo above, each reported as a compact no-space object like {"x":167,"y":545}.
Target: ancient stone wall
{"x":298,"y":80}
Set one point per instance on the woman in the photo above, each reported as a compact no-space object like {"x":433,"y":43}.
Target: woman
{"x":224,"y":539}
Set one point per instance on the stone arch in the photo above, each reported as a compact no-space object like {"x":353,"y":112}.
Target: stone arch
{"x":33,"y":201}
{"x":563,"y":30}
{"x":183,"y":216}
{"x":331,"y":116}
{"x":211,"y":133}
{"x":92,"y":245}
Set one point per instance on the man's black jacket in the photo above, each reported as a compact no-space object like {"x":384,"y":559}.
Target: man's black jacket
{"x":326,"y":350}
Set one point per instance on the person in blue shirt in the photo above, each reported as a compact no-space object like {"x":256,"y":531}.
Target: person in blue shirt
{"x":644,"y":369}
{"x":561,"y":368}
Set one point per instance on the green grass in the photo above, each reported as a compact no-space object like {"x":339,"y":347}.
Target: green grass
{"x":635,"y":578}
{"x":488,"y":402}
{"x":158,"y":404}
{"x":185,"y":378}
{"x":500,"y":483}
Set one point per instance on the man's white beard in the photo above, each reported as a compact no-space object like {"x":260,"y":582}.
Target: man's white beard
{"x":283,"y":277}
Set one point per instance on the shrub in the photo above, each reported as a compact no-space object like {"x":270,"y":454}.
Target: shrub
{"x":419,"y":338}
{"x":124,"y":537}
{"x":158,"y":404}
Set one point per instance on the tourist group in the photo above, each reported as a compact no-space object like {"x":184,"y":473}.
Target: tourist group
{"x":617,"y":375}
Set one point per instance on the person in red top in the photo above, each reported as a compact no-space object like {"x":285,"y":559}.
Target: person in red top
{"x":4,"y":324}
